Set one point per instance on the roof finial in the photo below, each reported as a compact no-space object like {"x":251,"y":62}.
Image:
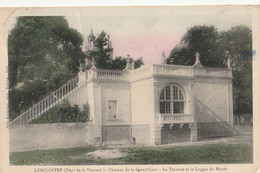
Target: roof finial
{"x":227,"y":55}
{"x":163,"y":58}
{"x":197,"y":62}
{"x":129,"y":63}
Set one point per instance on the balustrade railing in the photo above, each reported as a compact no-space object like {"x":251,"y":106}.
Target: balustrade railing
{"x":46,"y":103}
{"x":173,"y":70}
{"x":111,"y":74}
{"x":176,"y":118}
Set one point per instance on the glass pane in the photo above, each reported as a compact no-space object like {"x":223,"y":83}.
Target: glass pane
{"x":168,"y":94}
{"x":168,"y":107}
{"x":178,"y":107}
{"x":180,"y":95}
{"x":162,"y":95}
{"x":175,"y":93}
{"x":162,"y":107}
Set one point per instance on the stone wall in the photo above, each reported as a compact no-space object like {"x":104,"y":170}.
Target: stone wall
{"x":116,"y":134}
{"x":175,"y":133}
{"x":120,"y":93}
{"x":214,"y":129}
{"x":141,"y":133}
{"x":143,"y":105}
{"x":48,"y":136}
{"x":211,"y":100}
{"x":79,"y":97}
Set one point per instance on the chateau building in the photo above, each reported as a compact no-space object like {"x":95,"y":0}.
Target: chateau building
{"x":152,"y":105}
{"x":157,"y":104}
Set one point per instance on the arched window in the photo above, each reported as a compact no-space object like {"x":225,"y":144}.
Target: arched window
{"x":171,"y":100}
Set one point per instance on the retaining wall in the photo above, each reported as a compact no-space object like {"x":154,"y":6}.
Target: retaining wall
{"x":49,"y":136}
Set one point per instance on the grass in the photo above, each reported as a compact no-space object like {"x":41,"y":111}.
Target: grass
{"x":48,"y":157}
{"x":212,"y":153}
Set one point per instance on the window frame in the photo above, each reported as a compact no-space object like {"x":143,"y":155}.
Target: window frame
{"x":178,"y":97}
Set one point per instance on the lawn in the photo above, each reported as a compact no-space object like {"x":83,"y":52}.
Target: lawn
{"x":211,"y":153}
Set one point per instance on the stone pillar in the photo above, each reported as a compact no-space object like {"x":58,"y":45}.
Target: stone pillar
{"x":156,"y":130}
{"x":230,"y":102}
{"x":194,"y":131}
{"x":94,"y":100}
{"x":157,"y":134}
{"x":81,"y":75}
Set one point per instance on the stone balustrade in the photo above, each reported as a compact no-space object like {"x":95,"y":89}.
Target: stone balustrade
{"x":173,"y":70}
{"x":124,"y":75}
{"x":176,"y":118}
{"x":157,"y":70}
{"x":111,"y":74}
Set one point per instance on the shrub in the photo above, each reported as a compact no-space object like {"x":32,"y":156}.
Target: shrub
{"x":63,"y":113}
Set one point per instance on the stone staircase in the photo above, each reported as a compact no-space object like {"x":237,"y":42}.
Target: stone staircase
{"x":49,"y":101}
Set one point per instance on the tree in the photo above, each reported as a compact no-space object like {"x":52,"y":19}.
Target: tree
{"x":101,"y":55}
{"x":201,"y":39}
{"x":138,"y":63}
{"x":43,"y":54}
{"x":214,"y":49}
{"x":119,"y":63}
{"x":238,"y":43}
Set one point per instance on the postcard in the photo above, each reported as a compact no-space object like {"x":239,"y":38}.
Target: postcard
{"x":130,"y":89}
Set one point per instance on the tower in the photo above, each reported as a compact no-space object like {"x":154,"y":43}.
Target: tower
{"x":90,"y":43}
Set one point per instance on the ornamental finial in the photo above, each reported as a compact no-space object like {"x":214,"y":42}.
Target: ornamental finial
{"x":197,"y":62}
{"x":163,"y":57}
{"x":129,"y":63}
{"x":228,"y":61}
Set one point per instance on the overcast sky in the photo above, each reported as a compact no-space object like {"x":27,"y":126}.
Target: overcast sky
{"x":145,"y":31}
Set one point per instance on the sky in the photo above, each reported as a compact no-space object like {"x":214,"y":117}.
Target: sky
{"x":145,"y":31}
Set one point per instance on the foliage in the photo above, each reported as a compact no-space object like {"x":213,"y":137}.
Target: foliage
{"x":238,"y":42}
{"x":214,"y":49}
{"x":101,"y":55}
{"x":119,"y":63}
{"x":211,"y":153}
{"x":43,"y":54}
{"x":63,"y":113}
{"x":201,"y":39}
{"x":138,"y":63}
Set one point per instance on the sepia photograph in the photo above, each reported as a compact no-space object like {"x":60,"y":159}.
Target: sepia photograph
{"x":130,"y":86}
